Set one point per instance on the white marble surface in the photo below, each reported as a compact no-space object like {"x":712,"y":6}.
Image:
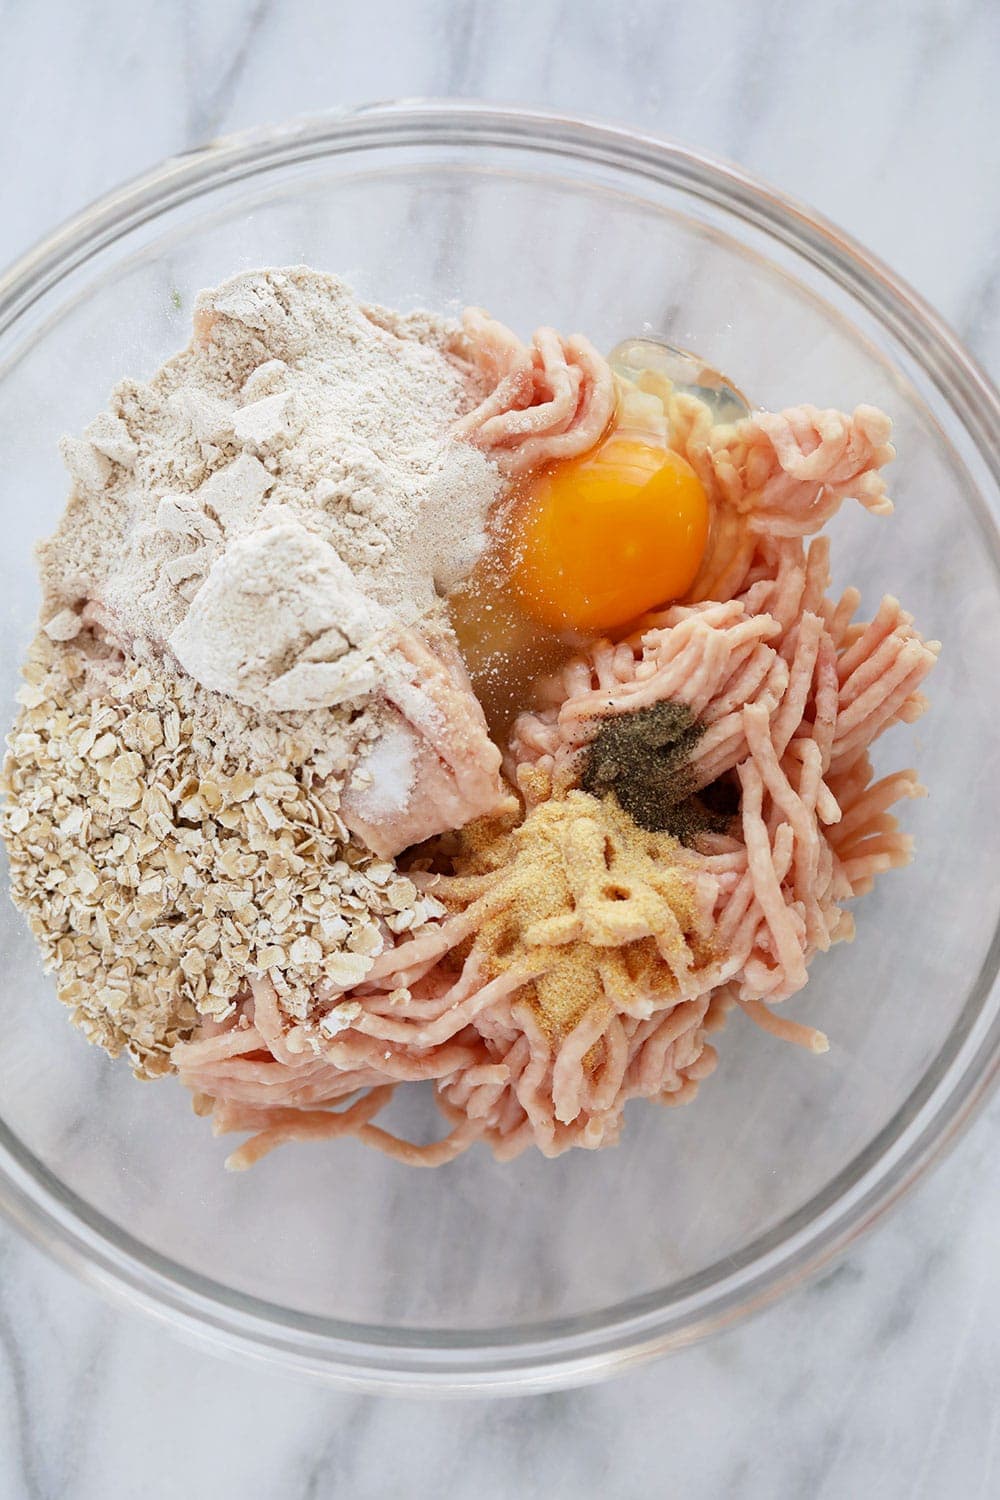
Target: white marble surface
{"x":882,"y":1379}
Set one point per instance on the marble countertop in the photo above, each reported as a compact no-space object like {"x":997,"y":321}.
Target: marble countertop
{"x":880,"y":1379}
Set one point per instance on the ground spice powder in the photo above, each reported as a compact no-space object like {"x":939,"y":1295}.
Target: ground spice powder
{"x":643,"y":759}
{"x":584,"y":903}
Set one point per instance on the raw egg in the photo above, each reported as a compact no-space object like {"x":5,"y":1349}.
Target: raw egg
{"x":594,"y":541}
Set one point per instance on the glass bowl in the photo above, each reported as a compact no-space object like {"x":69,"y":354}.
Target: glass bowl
{"x":538,"y":1273}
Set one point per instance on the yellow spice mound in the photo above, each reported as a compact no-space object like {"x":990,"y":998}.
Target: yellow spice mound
{"x":591,"y":909}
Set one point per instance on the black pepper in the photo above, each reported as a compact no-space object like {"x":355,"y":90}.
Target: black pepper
{"x":643,"y":759}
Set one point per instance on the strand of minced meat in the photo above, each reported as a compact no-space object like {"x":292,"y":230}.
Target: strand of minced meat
{"x":550,"y":400}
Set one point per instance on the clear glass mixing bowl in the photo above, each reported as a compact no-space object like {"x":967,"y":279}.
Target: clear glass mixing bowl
{"x":538,"y":1273}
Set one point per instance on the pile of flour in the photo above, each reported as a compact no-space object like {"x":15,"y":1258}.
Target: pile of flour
{"x":274,"y":505}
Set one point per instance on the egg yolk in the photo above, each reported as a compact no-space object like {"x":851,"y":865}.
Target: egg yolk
{"x":597,"y":540}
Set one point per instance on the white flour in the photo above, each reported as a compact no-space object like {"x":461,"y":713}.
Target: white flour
{"x":273,"y":504}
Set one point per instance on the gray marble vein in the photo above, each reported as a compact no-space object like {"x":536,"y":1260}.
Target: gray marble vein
{"x":882,"y":1378}
{"x":216,"y":62}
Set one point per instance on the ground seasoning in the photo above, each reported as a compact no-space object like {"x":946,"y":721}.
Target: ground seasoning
{"x":591,"y":909}
{"x":644,"y":760}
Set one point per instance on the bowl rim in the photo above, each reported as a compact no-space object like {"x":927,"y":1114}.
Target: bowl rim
{"x":556,"y":1353}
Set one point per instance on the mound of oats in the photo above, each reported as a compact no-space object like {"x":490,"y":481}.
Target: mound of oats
{"x":156,"y":874}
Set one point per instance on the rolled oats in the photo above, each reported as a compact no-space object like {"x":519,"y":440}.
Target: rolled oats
{"x":157,"y":874}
